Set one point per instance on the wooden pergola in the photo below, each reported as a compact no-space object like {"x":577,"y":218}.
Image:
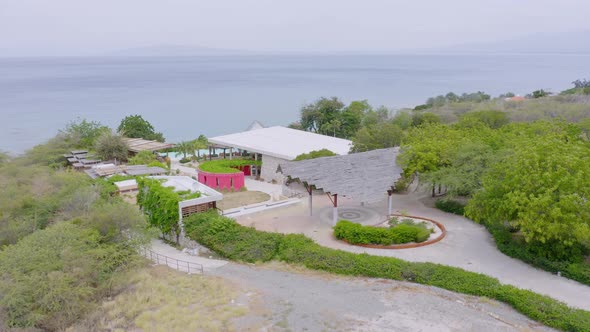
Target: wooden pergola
{"x":363,"y":176}
{"x":136,"y":145}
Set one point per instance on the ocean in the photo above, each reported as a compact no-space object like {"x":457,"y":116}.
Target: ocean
{"x":184,"y":97}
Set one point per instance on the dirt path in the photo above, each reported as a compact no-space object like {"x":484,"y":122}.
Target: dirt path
{"x":301,"y":300}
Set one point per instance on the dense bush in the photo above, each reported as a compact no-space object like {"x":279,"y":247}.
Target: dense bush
{"x":229,"y":239}
{"x":226,"y":165}
{"x":355,"y":233}
{"x":234,"y":241}
{"x":451,"y":206}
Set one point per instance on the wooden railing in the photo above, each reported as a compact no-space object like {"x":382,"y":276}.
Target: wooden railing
{"x":179,"y":265}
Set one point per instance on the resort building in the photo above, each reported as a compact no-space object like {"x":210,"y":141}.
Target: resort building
{"x":276,"y":145}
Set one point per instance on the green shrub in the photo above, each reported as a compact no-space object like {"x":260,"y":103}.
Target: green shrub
{"x":229,"y":239}
{"x":450,"y":206}
{"x":247,"y":244}
{"x":51,"y":278}
{"x":355,"y":233}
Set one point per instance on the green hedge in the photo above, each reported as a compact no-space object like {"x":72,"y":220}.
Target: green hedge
{"x":237,"y":242}
{"x":226,"y":166}
{"x":229,"y":239}
{"x":355,"y":233}
{"x":450,"y":206}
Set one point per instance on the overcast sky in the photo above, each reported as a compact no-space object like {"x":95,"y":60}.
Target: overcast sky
{"x":79,"y":27}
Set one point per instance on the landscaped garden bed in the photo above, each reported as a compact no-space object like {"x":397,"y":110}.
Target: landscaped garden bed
{"x":398,"y":232}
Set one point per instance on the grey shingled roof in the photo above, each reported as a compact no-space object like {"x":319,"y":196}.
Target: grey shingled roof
{"x":364,"y":176}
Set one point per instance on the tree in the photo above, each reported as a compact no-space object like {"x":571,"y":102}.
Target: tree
{"x":322,"y":111}
{"x":200,"y":143}
{"x":419,"y":119}
{"x":540,"y":189}
{"x":82,"y":133}
{"x":135,"y":126}
{"x":379,"y":136}
{"x":111,"y":146}
{"x":184,"y":147}
{"x":540,"y":94}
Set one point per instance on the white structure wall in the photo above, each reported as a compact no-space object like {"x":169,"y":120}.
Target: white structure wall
{"x":269,"y":169}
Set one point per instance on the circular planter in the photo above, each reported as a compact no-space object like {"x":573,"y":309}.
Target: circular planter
{"x":408,"y":245}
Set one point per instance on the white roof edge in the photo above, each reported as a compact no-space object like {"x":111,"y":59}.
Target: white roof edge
{"x":282,"y":142}
{"x":249,"y":149}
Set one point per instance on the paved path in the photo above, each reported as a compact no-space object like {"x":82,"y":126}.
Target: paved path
{"x":166,"y":250}
{"x":467,"y":245}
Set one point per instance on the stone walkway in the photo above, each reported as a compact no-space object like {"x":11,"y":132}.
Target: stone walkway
{"x":467,"y":245}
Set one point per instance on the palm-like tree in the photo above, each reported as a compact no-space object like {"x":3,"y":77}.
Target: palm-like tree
{"x":183,"y":147}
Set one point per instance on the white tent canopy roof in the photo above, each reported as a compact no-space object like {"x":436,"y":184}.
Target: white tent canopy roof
{"x":282,"y":142}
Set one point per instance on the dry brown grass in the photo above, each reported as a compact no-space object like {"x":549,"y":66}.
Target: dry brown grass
{"x":160,"y":299}
{"x":237,"y":199}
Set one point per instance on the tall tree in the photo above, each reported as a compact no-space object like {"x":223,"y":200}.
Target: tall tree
{"x":137,"y":127}
{"x":111,"y":146}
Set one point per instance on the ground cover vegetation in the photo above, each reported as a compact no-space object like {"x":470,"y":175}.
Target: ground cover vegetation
{"x":64,"y":238}
{"x":227,"y":166}
{"x":236,"y":242}
{"x":162,"y":299}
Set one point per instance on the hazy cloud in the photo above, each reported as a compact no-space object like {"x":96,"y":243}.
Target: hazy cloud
{"x":93,"y":27}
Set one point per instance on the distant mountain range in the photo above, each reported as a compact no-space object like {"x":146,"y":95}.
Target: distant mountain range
{"x":560,"y":42}
{"x":176,"y":50}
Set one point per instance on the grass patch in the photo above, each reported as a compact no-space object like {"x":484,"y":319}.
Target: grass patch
{"x":241,"y":243}
{"x":241,"y":198}
{"x":160,"y":299}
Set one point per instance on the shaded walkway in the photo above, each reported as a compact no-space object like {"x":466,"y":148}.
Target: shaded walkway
{"x":467,"y":245}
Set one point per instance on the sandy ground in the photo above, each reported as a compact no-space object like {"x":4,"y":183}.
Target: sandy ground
{"x":290,"y":299}
{"x":237,"y":199}
{"x":467,"y":245}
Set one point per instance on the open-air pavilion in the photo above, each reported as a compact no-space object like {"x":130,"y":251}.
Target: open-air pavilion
{"x":364,"y":177}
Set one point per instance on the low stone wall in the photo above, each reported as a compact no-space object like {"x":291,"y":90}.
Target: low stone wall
{"x":222,"y":180}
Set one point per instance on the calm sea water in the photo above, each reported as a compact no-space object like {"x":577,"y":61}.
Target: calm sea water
{"x":187,"y":96}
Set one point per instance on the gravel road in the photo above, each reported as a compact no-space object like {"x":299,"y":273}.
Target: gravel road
{"x":296,"y":299}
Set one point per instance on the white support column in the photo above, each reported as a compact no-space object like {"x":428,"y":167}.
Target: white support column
{"x":389,"y":204}
{"x":310,"y":200}
{"x":231,"y":153}
{"x":335,"y":216}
